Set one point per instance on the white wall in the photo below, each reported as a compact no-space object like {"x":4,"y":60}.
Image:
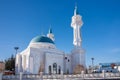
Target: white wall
{"x":68,"y":63}
{"x":119,"y":68}
{"x":78,"y":57}
{"x":36,"y":56}
{"x":51,"y":58}
{"x":18,"y":63}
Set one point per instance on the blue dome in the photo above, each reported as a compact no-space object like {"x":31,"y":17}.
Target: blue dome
{"x":42,"y":39}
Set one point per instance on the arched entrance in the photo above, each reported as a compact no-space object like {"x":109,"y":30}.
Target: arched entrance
{"x":54,"y":68}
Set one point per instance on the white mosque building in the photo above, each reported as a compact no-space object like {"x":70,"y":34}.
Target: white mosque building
{"x":41,"y":55}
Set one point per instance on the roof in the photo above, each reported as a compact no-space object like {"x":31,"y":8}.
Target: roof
{"x":42,"y":39}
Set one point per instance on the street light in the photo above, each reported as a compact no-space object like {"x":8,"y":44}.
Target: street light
{"x":16,"y":49}
{"x":92,"y":64}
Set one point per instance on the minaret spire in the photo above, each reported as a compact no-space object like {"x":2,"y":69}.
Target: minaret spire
{"x":75,"y":11}
{"x":50,"y":34}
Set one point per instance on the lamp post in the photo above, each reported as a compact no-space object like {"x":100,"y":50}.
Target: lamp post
{"x":92,"y":63}
{"x":16,"y":49}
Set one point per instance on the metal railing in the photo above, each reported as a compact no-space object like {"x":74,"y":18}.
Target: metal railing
{"x":61,"y":76}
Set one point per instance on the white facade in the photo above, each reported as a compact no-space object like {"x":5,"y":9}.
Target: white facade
{"x":42,"y":55}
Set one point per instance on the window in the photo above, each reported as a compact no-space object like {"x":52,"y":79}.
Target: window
{"x":65,"y":57}
{"x":67,"y":71}
{"x":55,"y":68}
{"x":49,"y":69}
{"x":68,"y":60}
{"x":59,"y":70}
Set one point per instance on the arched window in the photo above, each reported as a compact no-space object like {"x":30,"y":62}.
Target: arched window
{"x":59,"y":70}
{"x":49,"y":69}
{"x":55,"y":68}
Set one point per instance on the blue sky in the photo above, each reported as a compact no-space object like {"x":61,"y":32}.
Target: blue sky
{"x":22,"y":20}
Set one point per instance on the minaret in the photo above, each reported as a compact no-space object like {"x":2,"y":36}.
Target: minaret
{"x":78,"y":53}
{"x":50,"y":34}
{"x":76,"y":25}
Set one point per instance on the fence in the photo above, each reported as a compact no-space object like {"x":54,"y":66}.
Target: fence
{"x":61,"y":76}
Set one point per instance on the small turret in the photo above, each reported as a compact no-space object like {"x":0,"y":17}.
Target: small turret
{"x":50,"y":34}
{"x":50,"y":30}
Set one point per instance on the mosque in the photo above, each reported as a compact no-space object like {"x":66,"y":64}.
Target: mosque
{"x":41,"y":55}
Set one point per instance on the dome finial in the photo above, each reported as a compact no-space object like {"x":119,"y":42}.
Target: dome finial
{"x":50,"y":34}
{"x":50,"y":29}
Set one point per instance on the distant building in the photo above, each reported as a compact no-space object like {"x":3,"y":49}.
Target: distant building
{"x":92,"y":69}
{"x":2,"y":66}
{"x":108,"y":67}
